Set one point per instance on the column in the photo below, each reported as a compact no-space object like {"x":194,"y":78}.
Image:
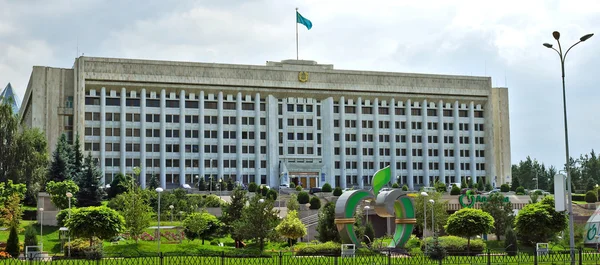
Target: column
{"x":163,"y":146}
{"x":123,"y":128}
{"x":182,"y":138}
{"x":201,"y":164}
{"x":238,"y":136}
{"x":409,"y":164}
{"x":272,"y":135}
{"x":425,"y":146}
{"x":441,"y":142}
{"x":472,"y":162}
{"x":103,"y":135}
{"x":327,"y":126}
{"x":376,"y":164}
{"x":219,"y":136}
{"x":456,"y":143}
{"x":143,"y":138}
{"x":393,"y":160}
{"x":359,"y":145}
{"x":343,"y":173}
{"x":273,"y":173}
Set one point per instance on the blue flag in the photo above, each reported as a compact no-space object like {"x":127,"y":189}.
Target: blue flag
{"x":300,"y":19}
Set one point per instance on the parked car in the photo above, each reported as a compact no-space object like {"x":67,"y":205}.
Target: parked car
{"x":492,"y":192}
{"x":543,"y":192}
{"x":314,"y":190}
{"x":464,"y":191}
{"x":429,"y":189}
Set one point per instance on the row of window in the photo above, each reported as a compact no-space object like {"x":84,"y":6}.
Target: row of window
{"x":401,"y":111}
{"x":298,"y":108}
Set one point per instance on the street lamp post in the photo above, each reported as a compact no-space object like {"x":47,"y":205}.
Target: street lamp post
{"x":220,"y":188}
{"x":432,"y":216}
{"x":424,"y":194}
{"x":367,"y":208}
{"x":171,"y":207}
{"x":41,"y":234}
{"x":69,"y":195}
{"x":159,"y":191}
{"x":198,"y":181}
{"x":563,"y":57}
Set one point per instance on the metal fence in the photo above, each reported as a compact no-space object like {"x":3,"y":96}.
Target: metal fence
{"x":489,"y":257}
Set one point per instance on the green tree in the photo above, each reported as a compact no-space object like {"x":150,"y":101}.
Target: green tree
{"x":61,"y":167}
{"x":591,"y":197}
{"x":258,"y":221}
{"x":58,"y":191}
{"x":201,"y":185}
{"x":233,"y":211}
{"x":77,"y":158}
{"x":101,"y":222}
{"x":136,"y":211}
{"x":455,"y":190}
{"x":8,"y":130}
{"x":504,"y":188}
{"x":501,"y":211}
{"x":11,"y":211}
{"x":153,"y":182}
{"x":539,"y":222}
{"x":12,"y":244}
{"x":591,"y":184}
{"x":272,"y":194}
{"x":202,"y":225}
{"x":369,"y":234}
{"x":291,"y":227}
{"x":326,"y":227}
{"x":31,"y":156}
{"x":510,"y":243}
{"x":90,"y":193}
{"x":468,"y":223}
{"x":515,"y":182}
{"x":520,"y":190}
{"x":480,"y":185}
{"x":120,"y":184}
{"x":439,"y":209}
{"x":30,"y":237}
{"x":464,"y":184}
{"x":440,"y":187}
{"x":292,"y":203}
{"x":252,"y":187}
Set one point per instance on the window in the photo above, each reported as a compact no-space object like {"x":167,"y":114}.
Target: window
{"x":153,"y":103}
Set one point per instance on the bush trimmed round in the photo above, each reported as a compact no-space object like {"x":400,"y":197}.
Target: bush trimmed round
{"x":337,"y":191}
{"x":326,"y":188}
{"x":299,"y":188}
{"x":252,"y":187}
{"x":292,"y":185}
{"x":591,"y":197}
{"x":520,"y":190}
{"x":395,"y":186}
{"x":303,"y":197}
{"x":404,"y":188}
{"x":455,"y":190}
{"x":315,"y":203}
{"x":504,"y":188}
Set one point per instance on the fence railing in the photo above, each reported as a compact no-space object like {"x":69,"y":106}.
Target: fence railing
{"x":488,"y":257}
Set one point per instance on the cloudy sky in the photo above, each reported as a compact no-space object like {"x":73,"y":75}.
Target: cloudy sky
{"x":502,"y":40}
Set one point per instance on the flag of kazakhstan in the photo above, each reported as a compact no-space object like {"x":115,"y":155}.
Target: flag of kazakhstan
{"x":302,"y":20}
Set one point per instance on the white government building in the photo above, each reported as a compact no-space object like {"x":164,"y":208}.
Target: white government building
{"x":289,"y":121}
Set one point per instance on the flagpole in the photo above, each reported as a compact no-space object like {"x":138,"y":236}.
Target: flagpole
{"x":297,"y":34}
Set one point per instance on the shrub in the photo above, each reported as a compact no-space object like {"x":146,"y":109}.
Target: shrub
{"x":520,"y":190}
{"x":578,"y":197}
{"x":230,"y":185}
{"x":328,"y":248}
{"x":263,"y":190}
{"x":591,"y":197}
{"x":303,"y":197}
{"x":504,"y":188}
{"x":440,"y":187}
{"x":292,"y":185}
{"x":455,"y":245}
{"x":212,"y":201}
{"x":12,"y":244}
{"x":510,"y":242}
{"x":434,"y":250}
{"x":488,"y":187}
{"x":326,"y":188}
{"x":272,"y":194}
{"x":30,"y":236}
{"x":252,"y":187}
{"x":395,"y":185}
{"x":404,"y":187}
{"x":369,"y":234}
{"x":455,"y":190}
{"x":413,"y":242}
{"x":337,"y":191}
{"x":315,"y":203}
{"x":299,"y":188}
{"x":80,"y":248}
{"x":215,"y":242}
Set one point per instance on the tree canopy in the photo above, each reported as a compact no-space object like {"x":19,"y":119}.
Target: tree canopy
{"x":58,"y":191}
{"x":90,"y":190}
{"x":539,"y":222}
{"x":468,"y":222}
{"x":501,"y":211}
{"x":101,"y":222}
{"x":201,"y":225}
{"x":258,"y":221}
{"x":291,"y":227}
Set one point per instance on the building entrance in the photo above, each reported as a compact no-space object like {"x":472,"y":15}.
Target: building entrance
{"x":305,"y":179}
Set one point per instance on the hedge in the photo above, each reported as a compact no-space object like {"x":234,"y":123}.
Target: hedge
{"x":457,"y":246}
{"x":578,"y":197}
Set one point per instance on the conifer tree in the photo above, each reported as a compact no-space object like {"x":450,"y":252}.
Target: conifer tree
{"x":90,"y":190}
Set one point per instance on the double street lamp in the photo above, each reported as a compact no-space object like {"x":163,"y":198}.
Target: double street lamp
{"x":69,"y":195}
{"x":424,"y":195}
{"x":159,"y":191}
{"x":563,"y":57}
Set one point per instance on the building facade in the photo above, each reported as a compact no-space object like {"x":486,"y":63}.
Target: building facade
{"x":289,"y":121}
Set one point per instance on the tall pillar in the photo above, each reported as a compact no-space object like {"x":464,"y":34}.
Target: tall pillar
{"x":425,"y":146}
{"x":473,"y":165}
{"x":143,"y":138}
{"x":343,"y":173}
{"x":393,"y":160}
{"x":220,"y":136}
{"x":272,"y":135}
{"x":103,"y":134}
{"x":238,"y":136}
{"x":456,"y":143}
{"x":409,"y":161}
{"x":163,"y":146}
{"x":441,"y":142}
{"x":376,"y":164}
{"x":182,"y":168}
{"x":273,"y":173}
{"x":123,"y":130}
{"x":359,"y":146}
{"x":201,"y":140}
{"x":327,"y":126}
